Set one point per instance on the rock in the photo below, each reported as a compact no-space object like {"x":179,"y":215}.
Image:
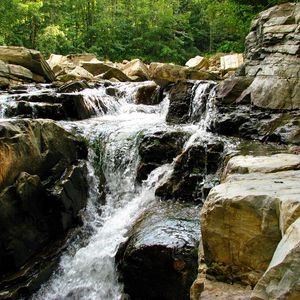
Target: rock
{"x":30,"y":59}
{"x":157,"y":149}
{"x":77,"y":59}
{"x":163,"y":74}
{"x":78,"y":73}
{"x":73,"y":86}
{"x":231,"y":61}
{"x":198,"y":63}
{"x":229,"y":90}
{"x":187,"y":103}
{"x":159,"y":261}
{"x":281,"y":280}
{"x":115,"y":73}
{"x":262,"y":164}
{"x":95,"y":67}
{"x":244,"y":218}
{"x":272,"y":50}
{"x":149,"y":94}
{"x":187,"y":181}
{"x":39,"y":202}
{"x":136,"y":68}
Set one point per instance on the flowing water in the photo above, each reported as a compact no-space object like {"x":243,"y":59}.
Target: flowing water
{"x":87,"y":270}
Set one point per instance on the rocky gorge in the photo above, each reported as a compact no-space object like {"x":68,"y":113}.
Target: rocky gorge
{"x":105,"y":167}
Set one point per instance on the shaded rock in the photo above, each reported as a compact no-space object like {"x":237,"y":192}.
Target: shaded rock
{"x":198,"y":63}
{"x":281,"y":280}
{"x":28,"y":58}
{"x":229,"y":90}
{"x":157,"y":149}
{"x":74,"y":86}
{"x":181,"y":95}
{"x":159,"y":261}
{"x":149,"y":94}
{"x":192,"y":166}
{"x":244,"y":218}
{"x":40,"y":202}
{"x":136,"y":68}
{"x":188,"y":101}
{"x":163,"y":74}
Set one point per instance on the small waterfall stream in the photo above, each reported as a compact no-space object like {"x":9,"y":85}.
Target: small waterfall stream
{"x":89,"y":272}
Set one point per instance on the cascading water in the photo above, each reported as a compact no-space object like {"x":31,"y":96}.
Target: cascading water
{"x":89,"y":272}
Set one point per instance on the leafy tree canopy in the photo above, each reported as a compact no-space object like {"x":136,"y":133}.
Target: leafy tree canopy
{"x":153,"y":30}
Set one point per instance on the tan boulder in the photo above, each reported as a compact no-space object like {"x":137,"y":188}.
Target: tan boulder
{"x":28,"y":58}
{"x":78,"y":73}
{"x":282,"y":278}
{"x":198,"y":62}
{"x":136,"y":68}
{"x":231,"y":61}
{"x":95,"y":67}
{"x":77,"y":59}
{"x":20,"y":72}
{"x":115,"y":73}
{"x":244,"y":218}
{"x":163,"y":73}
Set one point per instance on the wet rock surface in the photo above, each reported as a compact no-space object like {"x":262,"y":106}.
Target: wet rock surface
{"x":159,"y":261}
{"x":196,"y":164}
{"x":39,"y":201}
{"x":157,"y":149}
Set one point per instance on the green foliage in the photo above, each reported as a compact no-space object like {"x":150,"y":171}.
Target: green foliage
{"x":153,"y":30}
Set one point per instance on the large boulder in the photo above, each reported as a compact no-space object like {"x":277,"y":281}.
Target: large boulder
{"x":282,"y":278}
{"x":163,"y":73}
{"x":188,"y":101}
{"x":272,"y":57}
{"x":28,"y":58}
{"x":192,"y":168}
{"x":159,"y":260}
{"x":136,"y":68}
{"x":39,"y":201}
{"x":157,"y":149}
{"x":244,"y":218}
{"x":198,"y":63}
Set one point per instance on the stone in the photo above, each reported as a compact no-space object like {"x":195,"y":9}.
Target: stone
{"x":78,"y":73}
{"x":39,"y":201}
{"x":159,"y":260}
{"x":149,"y":94}
{"x":229,"y":90}
{"x":73,"y":86}
{"x":136,"y":68}
{"x":163,"y":73}
{"x":281,"y":279}
{"x":198,"y":63}
{"x":263,"y":164}
{"x":77,"y":59}
{"x":20,"y":72}
{"x":28,"y":58}
{"x":272,"y":51}
{"x":187,"y":181}
{"x":115,"y":73}
{"x":157,"y":149}
{"x":273,"y":92}
{"x":95,"y":67}
{"x":244,"y":218}
{"x":232,"y":61}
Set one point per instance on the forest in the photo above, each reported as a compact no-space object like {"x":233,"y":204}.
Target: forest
{"x":153,"y":30}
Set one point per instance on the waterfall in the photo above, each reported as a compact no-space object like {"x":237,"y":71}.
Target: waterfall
{"x":87,"y":270}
